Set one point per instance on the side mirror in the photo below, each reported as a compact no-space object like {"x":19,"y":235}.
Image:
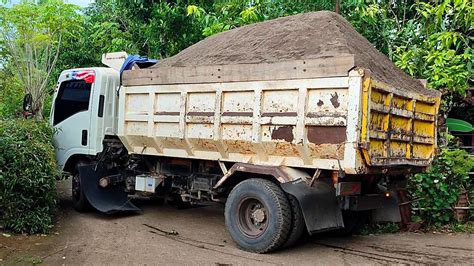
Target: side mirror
{"x":27,"y":103}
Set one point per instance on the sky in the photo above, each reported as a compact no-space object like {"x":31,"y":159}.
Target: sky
{"x":82,"y":3}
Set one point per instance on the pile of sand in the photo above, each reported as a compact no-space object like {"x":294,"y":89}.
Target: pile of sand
{"x":305,"y":36}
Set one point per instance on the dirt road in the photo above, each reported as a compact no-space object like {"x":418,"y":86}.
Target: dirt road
{"x":201,"y":238}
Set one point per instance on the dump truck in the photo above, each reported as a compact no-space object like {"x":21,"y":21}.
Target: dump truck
{"x":294,"y":145}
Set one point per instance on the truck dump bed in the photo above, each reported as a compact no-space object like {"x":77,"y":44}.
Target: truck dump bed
{"x":309,"y":106}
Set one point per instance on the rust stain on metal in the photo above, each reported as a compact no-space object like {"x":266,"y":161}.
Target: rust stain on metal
{"x":244,"y":147}
{"x":284,"y":133}
{"x":281,"y":149}
{"x":326,"y":134}
{"x":273,"y":114}
{"x":167,"y":113}
{"x":335,"y":100}
{"x":248,"y":114}
{"x":200,"y":120}
{"x":204,"y":144}
{"x":325,"y":114}
{"x":320,"y":103}
{"x":325,"y":151}
{"x":200,"y":113}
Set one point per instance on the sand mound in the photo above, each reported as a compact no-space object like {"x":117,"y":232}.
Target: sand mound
{"x":305,"y":36}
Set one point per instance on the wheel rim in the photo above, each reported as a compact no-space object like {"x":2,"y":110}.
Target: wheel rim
{"x":253,"y":217}
{"x":76,"y":187}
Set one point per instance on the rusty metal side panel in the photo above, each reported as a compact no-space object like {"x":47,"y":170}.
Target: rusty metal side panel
{"x":300,"y":123}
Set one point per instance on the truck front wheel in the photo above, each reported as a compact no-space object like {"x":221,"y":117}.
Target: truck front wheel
{"x":79,"y":200}
{"x":258,"y":215}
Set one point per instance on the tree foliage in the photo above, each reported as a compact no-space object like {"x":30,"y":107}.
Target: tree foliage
{"x":225,"y":15}
{"x":441,"y":50}
{"x":10,"y":99}
{"x":157,"y":29}
{"x":31,"y":37}
{"x":429,"y":40}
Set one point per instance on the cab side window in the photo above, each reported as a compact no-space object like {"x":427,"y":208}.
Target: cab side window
{"x":73,"y":97}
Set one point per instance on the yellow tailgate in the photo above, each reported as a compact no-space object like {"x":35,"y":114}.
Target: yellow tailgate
{"x":398,"y":127}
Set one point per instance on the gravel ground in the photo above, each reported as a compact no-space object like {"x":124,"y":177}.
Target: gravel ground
{"x":92,"y":238}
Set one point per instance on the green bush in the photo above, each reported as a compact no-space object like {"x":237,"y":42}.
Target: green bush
{"x":27,"y":176}
{"x":436,"y":192}
{"x":11,"y":95}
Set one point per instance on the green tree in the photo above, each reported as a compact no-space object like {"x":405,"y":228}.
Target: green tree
{"x":10,"y":99}
{"x":440,"y":47}
{"x":157,"y":29}
{"x":32,"y":35}
{"x":429,"y":40}
{"x":225,"y":15}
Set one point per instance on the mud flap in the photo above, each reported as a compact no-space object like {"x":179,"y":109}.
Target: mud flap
{"x":108,"y":200}
{"x":319,"y":205}
{"x":390,"y":212}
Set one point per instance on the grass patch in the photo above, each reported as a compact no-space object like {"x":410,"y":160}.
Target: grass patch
{"x":467,"y":227}
{"x":30,"y":260}
{"x":380,"y":228}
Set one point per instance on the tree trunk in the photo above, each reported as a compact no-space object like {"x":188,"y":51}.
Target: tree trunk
{"x":37,"y":110}
{"x":338,"y":7}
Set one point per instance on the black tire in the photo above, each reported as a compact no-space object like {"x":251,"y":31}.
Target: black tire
{"x":258,"y":215}
{"x":353,"y":222}
{"x":297,"y":224}
{"x":79,"y":200}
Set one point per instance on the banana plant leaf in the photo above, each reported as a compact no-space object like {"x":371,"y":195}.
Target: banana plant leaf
{"x":459,"y":125}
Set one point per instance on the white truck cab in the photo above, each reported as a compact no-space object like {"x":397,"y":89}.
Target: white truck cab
{"x":84,"y":111}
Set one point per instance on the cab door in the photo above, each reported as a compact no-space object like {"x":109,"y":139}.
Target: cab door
{"x":71,"y":116}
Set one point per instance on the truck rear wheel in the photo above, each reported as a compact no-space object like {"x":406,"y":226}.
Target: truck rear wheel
{"x":297,"y":223}
{"x":258,"y":215}
{"x":79,"y":200}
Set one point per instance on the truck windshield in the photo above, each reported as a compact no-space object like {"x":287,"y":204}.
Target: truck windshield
{"x":73,"y":97}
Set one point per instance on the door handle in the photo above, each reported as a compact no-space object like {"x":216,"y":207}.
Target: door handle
{"x":84,"y":138}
